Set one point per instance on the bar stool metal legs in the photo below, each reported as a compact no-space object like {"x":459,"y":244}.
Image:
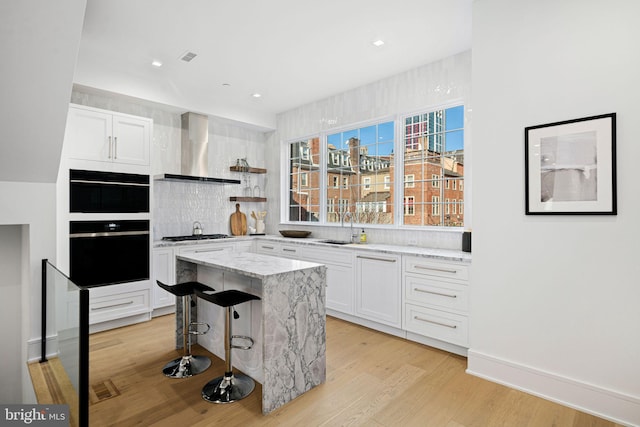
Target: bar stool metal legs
{"x":229,"y":387}
{"x":187,"y":365}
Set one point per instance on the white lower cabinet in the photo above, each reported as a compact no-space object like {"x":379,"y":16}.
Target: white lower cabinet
{"x":436,"y":300}
{"x":340,"y":277}
{"x":378,"y":291}
{"x":118,"y":305}
{"x":164,"y":270}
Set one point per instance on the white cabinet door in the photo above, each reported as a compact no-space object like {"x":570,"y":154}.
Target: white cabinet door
{"x":131,"y":138}
{"x":164,"y":264}
{"x":104,"y":136}
{"x":88,"y":135}
{"x":340,"y":276}
{"x":378,"y":289}
{"x":340,"y":288}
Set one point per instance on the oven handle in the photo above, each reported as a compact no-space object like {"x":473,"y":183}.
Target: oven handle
{"x":85,"y":181}
{"x":109,"y":234}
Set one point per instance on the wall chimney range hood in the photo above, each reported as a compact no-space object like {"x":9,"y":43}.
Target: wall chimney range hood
{"x":194,"y":164}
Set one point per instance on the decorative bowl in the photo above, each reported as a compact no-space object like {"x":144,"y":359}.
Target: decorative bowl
{"x":295,"y":233}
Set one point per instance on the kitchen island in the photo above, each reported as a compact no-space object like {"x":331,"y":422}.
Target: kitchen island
{"x":288,"y":323}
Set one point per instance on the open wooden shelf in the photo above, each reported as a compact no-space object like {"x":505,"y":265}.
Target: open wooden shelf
{"x":250,"y":170}
{"x":247,"y":199}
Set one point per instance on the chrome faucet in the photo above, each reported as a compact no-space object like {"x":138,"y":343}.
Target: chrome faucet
{"x":353,"y":237}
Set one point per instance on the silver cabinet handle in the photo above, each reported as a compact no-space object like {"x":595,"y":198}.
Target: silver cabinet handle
{"x":110,"y":147}
{"x":376,"y":259}
{"x":115,"y":147}
{"x":444,"y":270}
{"x":288,"y":250}
{"x":266,"y":247}
{"x":435,"y":293}
{"x":111,"y":306}
{"x":434,"y":322}
{"x":208,"y":250}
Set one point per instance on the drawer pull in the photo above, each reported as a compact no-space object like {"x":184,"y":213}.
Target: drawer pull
{"x":376,"y":259}
{"x":266,"y":247}
{"x":435,"y":323}
{"x":435,"y":293}
{"x":111,"y":306}
{"x":443,"y":270}
{"x":288,"y":250}
{"x":208,"y":250}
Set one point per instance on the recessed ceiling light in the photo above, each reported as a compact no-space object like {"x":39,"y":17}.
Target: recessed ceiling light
{"x":378,"y":43}
{"x":256,"y":95}
{"x":156,"y":63}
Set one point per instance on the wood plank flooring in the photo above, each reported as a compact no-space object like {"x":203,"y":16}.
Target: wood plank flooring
{"x":373,"y":379}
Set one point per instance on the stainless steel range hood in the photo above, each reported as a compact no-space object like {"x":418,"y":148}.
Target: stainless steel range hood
{"x":194,"y":164}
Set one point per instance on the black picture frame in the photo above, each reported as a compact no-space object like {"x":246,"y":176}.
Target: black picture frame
{"x":570,"y":167}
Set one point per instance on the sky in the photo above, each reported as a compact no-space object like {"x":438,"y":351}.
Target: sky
{"x":383,"y":134}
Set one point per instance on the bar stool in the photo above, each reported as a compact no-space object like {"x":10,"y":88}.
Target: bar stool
{"x":229,"y":387}
{"x":187,"y":365}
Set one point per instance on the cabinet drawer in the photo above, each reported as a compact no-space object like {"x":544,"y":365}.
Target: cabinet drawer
{"x":116,"y":306}
{"x":448,"y":327}
{"x":437,"y":293}
{"x":267,"y":248}
{"x":428,"y":267}
{"x":333,"y":256}
{"x":200,"y":249}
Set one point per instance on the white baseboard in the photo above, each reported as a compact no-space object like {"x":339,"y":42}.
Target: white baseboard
{"x":612,"y":405}
{"x":34,"y":348}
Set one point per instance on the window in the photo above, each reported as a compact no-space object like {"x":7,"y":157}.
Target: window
{"x":433,"y":144}
{"x":304,"y":160}
{"x":360,"y":165}
{"x":362,"y":159}
{"x":408,"y":205}
{"x":409,"y":181}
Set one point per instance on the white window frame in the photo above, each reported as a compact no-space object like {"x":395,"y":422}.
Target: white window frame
{"x":398,"y":182}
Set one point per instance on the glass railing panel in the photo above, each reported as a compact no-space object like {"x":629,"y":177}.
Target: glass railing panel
{"x":71,"y":306}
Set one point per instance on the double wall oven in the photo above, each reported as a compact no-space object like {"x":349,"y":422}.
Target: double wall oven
{"x":108,"y":247}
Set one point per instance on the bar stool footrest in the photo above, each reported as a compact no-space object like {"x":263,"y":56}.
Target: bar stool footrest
{"x":242,"y":337}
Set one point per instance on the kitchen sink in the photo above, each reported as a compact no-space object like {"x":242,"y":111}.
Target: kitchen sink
{"x":336,"y":242}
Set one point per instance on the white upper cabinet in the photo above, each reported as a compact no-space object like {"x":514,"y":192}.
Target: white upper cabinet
{"x":105,"y":136}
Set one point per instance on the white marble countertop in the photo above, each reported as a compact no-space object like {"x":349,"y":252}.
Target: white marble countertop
{"x":248,"y":264}
{"x":435,"y":253}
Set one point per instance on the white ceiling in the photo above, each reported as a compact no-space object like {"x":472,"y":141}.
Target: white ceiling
{"x":291,"y":51}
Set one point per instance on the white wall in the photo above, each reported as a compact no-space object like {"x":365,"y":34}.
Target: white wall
{"x":10,"y":311}
{"x":31,"y":206}
{"x":555,"y":298}
{"x":431,"y":85}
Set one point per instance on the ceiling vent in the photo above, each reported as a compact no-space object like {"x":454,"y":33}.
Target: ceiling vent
{"x":188,"y":56}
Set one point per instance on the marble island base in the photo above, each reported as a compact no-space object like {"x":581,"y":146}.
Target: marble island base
{"x":288,"y":323}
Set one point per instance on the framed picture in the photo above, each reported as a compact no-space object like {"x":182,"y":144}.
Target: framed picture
{"x":570,"y":167}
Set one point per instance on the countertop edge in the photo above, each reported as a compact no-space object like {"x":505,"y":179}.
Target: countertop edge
{"x":434,"y":253}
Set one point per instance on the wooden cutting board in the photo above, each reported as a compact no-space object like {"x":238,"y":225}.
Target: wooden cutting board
{"x":238,"y":222}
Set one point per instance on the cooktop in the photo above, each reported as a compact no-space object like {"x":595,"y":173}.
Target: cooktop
{"x":195,"y":237}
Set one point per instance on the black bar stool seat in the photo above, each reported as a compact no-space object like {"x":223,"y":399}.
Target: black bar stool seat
{"x":187,"y":365}
{"x":228,"y":387}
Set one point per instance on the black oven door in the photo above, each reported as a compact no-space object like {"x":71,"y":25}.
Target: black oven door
{"x":108,"y":252}
{"x":108,"y":192}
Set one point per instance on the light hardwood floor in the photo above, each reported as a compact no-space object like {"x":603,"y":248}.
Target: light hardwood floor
{"x":373,"y":379}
